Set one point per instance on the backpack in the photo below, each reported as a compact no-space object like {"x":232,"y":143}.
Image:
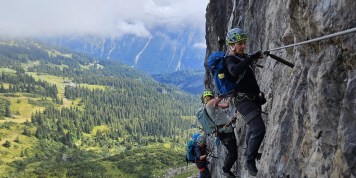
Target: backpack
{"x":190,"y":156}
{"x":224,"y":85}
{"x":204,"y":119}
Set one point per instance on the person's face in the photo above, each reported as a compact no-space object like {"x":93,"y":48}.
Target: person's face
{"x":202,"y":145}
{"x":239,"y":47}
{"x":207,"y":99}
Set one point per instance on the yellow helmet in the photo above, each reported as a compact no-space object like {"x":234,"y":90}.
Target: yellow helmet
{"x":207,"y":93}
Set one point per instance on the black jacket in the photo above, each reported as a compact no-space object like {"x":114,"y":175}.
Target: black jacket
{"x":242,"y":64}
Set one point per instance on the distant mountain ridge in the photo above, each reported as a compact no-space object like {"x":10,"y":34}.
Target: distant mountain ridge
{"x":162,"y":52}
{"x":187,"y":80}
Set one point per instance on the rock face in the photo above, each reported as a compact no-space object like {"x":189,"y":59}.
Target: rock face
{"x":311,"y":121}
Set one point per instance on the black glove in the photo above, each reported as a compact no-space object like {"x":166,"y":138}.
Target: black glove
{"x":256,"y":55}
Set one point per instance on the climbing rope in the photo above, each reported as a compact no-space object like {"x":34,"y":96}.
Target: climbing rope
{"x":231,"y":120}
{"x":317,"y":39}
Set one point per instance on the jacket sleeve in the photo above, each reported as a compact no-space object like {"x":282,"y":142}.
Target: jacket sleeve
{"x":235,"y":69}
{"x":197,"y":152}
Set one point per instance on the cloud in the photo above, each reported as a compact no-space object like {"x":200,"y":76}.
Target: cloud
{"x":201,"y":45}
{"x":98,"y":17}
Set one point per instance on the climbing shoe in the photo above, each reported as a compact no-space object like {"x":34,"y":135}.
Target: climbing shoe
{"x":258,"y":155}
{"x":228,"y":173}
{"x":250,"y":166}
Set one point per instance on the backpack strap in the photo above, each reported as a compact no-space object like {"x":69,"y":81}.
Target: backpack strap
{"x":241,"y":75}
{"x":206,"y":112}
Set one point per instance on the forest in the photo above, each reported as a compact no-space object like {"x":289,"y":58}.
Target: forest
{"x":64,"y":114}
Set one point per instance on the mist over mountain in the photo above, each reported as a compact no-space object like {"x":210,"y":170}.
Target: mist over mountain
{"x":151,"y":36}
{"x":164,"y":51}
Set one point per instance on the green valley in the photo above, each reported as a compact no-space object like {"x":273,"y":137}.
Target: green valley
{"x":64,"y":114}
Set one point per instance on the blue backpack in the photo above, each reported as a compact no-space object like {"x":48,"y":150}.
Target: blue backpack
{"x":190,"y":156}
{"x":223,"y":84}
{"x":208,"y":124}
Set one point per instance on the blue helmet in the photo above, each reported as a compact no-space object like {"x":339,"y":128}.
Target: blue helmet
{"x":201,"y":140}
{"x":195,"y":136}
{"x":235,"y":35}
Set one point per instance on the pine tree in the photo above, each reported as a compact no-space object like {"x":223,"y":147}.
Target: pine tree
{"x":7,"y":111}
{"x":7,"y":144}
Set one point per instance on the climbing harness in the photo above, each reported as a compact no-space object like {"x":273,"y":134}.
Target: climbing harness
{"x":242,"y":96}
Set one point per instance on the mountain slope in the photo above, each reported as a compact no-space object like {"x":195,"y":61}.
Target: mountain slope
{"x":164,"y":51}
{"x":187,"y":80}
{"x":85,"y":110}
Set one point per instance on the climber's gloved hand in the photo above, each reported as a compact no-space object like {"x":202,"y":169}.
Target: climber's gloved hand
{"x":256,"y":55}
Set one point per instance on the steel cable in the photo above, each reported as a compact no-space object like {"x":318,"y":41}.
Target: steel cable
{"x":317,"y":39}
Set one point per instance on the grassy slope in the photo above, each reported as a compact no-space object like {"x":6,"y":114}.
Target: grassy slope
{"x":21,"y":111}
{"x":20,"y":104}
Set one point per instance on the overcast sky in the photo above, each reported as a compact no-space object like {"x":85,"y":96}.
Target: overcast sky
{"x":98,"y":17}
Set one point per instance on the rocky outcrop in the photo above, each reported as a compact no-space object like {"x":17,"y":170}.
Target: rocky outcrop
{"x":311,"y":121}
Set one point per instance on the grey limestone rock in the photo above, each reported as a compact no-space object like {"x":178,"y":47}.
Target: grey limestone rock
{"x":311,"y":121}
